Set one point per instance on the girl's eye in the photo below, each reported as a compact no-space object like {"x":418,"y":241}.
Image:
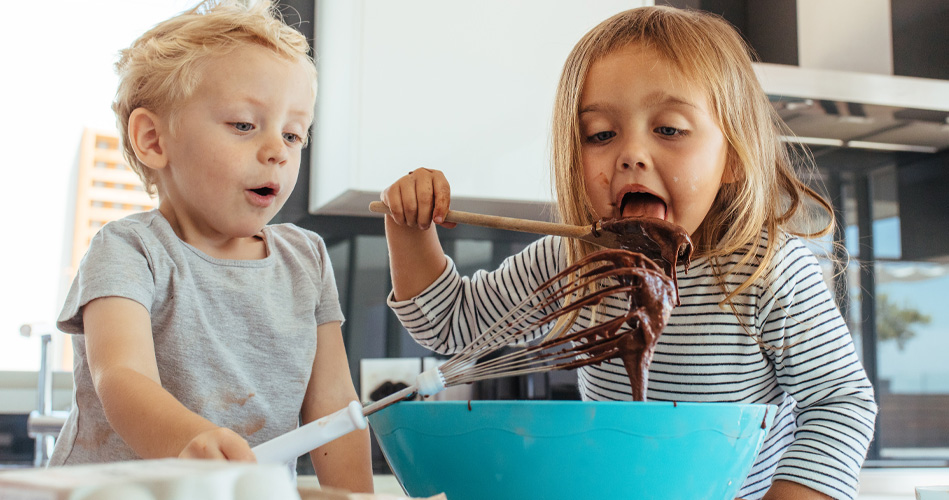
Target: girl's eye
{"x":601,"y":136}
{"x":291,"y":138}
{"x":243,"y":126}
{"x":667,"y":131}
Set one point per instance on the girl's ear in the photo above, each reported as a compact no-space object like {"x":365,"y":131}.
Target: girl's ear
{"x":731,"y":165}
{"x":728,"y":176}
{"x":146,"y":135}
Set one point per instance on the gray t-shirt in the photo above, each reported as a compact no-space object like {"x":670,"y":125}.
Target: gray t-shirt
{"x":234,"y":339}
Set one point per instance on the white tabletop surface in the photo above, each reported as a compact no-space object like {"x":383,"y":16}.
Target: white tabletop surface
{"x":875,"y":484}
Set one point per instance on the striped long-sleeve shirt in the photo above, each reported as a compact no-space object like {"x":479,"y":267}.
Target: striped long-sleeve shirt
{"x":785,"y":343}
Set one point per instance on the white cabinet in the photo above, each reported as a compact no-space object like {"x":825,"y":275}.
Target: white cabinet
{"x":463,"y":87}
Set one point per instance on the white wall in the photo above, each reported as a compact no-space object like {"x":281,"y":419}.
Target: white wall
{"x":463,"y":87}
{"x":845,"y":35}
{"x":57,"y":79}
{"x":18,"y":391}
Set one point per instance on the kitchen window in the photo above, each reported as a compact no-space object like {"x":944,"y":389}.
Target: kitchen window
{"x":893,"y":294}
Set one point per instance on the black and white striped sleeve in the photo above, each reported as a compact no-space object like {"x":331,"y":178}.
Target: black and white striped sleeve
{"x":448,"y":314}
{"x":816,"y":364}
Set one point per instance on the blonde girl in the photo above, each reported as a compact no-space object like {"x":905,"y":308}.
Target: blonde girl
{"x":659,"y":114}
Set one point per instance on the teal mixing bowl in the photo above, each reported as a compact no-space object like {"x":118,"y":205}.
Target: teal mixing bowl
{"x":491,"y":450}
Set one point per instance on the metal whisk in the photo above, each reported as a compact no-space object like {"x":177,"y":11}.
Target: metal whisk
{"x":608,"y":273}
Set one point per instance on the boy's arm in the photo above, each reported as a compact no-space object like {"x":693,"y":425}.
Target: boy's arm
{"x":345,"y":462}
{"x":416,"y":258}
{"x":121,"y":355}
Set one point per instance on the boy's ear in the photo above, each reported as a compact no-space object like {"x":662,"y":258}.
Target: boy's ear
{"x":146,"y":133}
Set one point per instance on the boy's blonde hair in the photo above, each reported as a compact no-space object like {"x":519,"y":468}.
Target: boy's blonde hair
{"x":161,"y":69}
{"x":766,"y":192}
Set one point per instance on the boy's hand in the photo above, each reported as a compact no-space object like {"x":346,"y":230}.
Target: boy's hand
{"x":221,"y":444}
{"x":419,"y":198}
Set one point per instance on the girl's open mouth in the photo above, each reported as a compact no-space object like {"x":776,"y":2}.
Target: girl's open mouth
{"x":263,"y":191}
{"x":642,"y":205}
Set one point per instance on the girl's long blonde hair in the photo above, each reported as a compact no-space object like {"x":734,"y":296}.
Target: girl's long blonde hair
{"x":766,"y":192}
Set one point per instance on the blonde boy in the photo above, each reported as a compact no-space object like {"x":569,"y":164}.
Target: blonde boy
{"x":201,"y":331}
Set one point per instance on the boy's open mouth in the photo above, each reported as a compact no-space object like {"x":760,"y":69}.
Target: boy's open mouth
{"x":263,"y":191}
{"x":642,"y":205}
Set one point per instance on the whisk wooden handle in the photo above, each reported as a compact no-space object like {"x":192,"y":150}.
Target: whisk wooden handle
{"x":499,"y":222}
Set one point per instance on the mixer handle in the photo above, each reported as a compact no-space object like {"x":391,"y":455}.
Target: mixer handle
{"x":287,"y":447}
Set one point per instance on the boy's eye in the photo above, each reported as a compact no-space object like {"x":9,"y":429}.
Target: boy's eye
{"x":668,"y":131}
{"x":291,"y":138}
{"x":243,"y":126}
{"x":601,"y":136}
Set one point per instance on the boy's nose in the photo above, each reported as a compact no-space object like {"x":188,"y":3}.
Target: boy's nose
{"x":273,"y":151}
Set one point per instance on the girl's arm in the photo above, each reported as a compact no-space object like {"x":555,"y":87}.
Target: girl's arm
{"x":416,"y":258}
{"x":816,"y":363}
{"x":786,"y":490}
{"x":149,"y":419}
{"x":345,"y":462}
{"x":455,"y":309}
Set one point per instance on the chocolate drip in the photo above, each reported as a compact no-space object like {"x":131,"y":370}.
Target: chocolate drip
{"x":651,"y":295}
{"x":651,"y":291}
{"x":661,"y":241}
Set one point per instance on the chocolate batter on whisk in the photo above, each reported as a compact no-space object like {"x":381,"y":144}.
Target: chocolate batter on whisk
{"x":662,"y":241}
{"x":652,"y":292}
{"x":649,"y":291}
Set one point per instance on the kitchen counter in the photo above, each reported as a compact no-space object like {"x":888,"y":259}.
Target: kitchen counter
{"x":875,"y":484}
{"x":384,"y":484}
{"x":898,"y":483}
{"x":387,"y":483}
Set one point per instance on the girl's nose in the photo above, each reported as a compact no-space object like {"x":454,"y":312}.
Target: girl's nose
{"x":633,"y":154}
